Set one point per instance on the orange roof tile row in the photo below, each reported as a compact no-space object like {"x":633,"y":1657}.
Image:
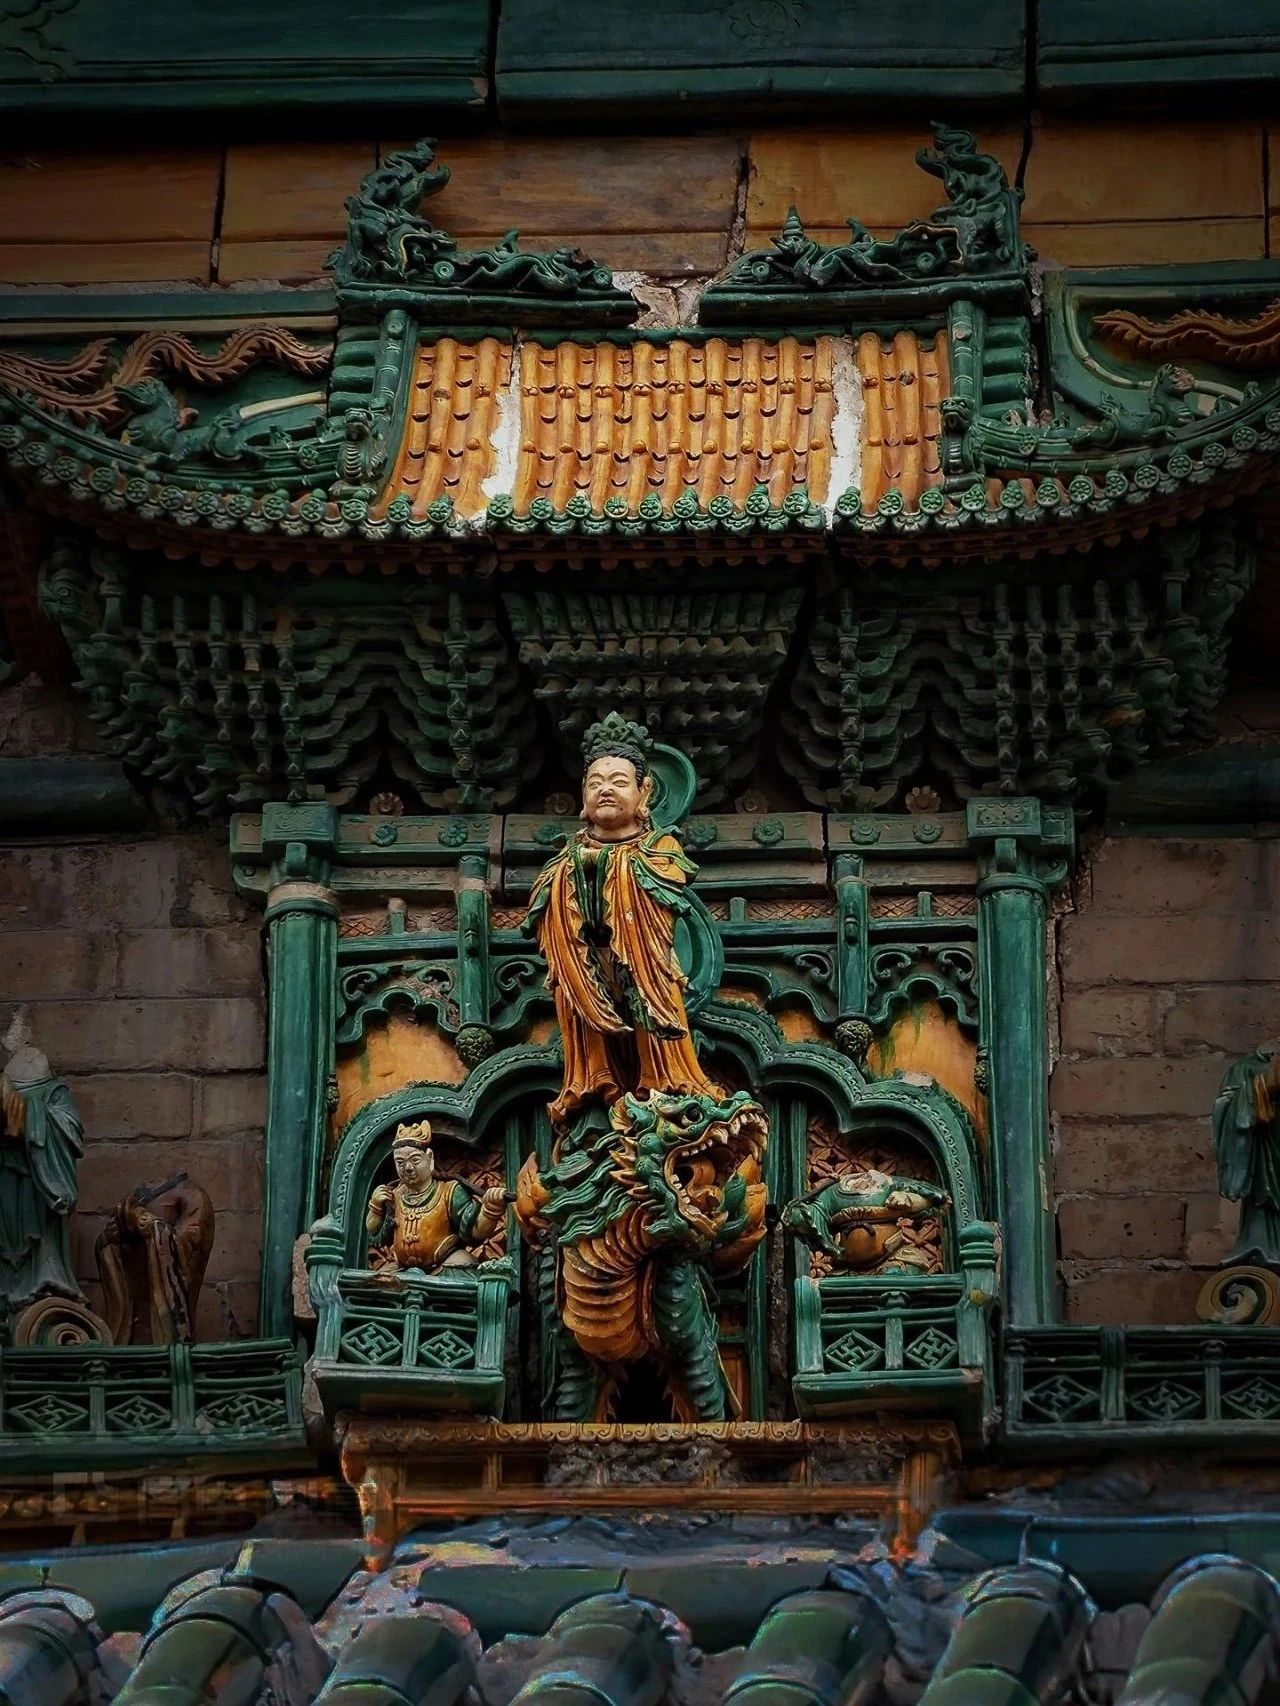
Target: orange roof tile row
{"x":903,"y":382}
{"x":717,"y":418}
{"x":447,"y":446}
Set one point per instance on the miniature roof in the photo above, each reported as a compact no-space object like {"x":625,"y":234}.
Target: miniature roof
{"x":891,"y":395}
{"x":459,"y":422}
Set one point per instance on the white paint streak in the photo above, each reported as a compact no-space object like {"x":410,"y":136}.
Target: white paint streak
{"x":505,"y":438}
{"x":846,"y":425}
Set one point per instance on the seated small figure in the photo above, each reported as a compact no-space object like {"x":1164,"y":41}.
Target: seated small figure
{"x":872,"y":1222}
{"x":425,"y":1222}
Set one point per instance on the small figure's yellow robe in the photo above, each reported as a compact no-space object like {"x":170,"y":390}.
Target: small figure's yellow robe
{"x":423,"y":1234}
{"x":605,"y":915}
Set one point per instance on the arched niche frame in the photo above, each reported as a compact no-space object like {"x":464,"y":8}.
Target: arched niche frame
{"x":816,"y":1074}
{"x":794,"y":1079}
{"x":466,"y":1113}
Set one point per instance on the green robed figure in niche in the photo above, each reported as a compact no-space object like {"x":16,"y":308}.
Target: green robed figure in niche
{"x":41,"y":1141}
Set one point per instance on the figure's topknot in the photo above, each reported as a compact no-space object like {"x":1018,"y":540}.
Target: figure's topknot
{"x":614,"y":737}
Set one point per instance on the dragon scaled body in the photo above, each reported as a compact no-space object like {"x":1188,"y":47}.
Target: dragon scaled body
{"x":639,"y":1208}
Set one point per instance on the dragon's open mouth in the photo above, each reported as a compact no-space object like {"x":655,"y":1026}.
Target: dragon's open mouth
{"x":698,"y":1170}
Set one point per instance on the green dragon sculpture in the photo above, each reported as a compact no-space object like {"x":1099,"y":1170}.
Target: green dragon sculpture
{"x":639,"y":1207}
{"x":158,"y":424}
{"x":869,"y":1221}
{"x":389,"y":242}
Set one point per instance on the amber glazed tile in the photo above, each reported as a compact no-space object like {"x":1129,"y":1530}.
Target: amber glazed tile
{"x":903,"y":382}
{"x":447,"y":449}
{"x":631,"y":421}
{"x":717,"y":418}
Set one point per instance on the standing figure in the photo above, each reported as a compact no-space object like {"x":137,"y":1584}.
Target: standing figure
{"x":604,"y":911}
{"x":426,"y":1222}
{"x":1246,"y":1140}
{"x":654,"y":1185}
{"x":41,"y":1142}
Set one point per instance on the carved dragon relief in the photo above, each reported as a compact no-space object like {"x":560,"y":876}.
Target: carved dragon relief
{"x":88,"y":385}
{"x":391,"y":245}
{"x":121,"y":394}
{"x":645,"y":1204}
{"x":1249,"y":344}
{"x":975,"y":231}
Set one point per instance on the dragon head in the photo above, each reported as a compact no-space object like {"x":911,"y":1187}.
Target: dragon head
{"x":692,"y":1157}
{"x":144,"y":393}
{"x":689,"y":1165}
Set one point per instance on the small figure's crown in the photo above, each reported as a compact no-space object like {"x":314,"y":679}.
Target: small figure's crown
{"x":615,"y":734}
{"x":412,"y":1136}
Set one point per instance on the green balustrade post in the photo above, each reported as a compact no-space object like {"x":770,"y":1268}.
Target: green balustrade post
{"x":302,"y":934}
{"x":1024,"y":854}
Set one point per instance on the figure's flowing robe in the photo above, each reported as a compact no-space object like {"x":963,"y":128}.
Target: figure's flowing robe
{"x":38,"y":1194}
{"x":605,"y":915}
{"x":1246,"y":1133}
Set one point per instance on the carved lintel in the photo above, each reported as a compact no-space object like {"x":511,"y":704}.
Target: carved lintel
{"x":405,"y":1472}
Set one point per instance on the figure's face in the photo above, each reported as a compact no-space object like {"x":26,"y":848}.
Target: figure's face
{"x":612,"y":798}
{"x":414,"y":1167}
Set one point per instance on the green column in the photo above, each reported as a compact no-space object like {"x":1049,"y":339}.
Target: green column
{"x":1024,"y":853}
{"x":302,"y":935}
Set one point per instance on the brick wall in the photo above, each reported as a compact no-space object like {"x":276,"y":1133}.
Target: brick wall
{"x":1169,"y":967}
{"x":1147,"y":191}
{"x":140,"y":970}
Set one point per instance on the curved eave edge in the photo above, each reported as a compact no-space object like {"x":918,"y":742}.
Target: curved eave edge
{"x":1139,"y":487}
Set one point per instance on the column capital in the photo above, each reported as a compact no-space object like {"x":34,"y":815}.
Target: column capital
{"x":1020,"y":843}
{"x":312,"y":824}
